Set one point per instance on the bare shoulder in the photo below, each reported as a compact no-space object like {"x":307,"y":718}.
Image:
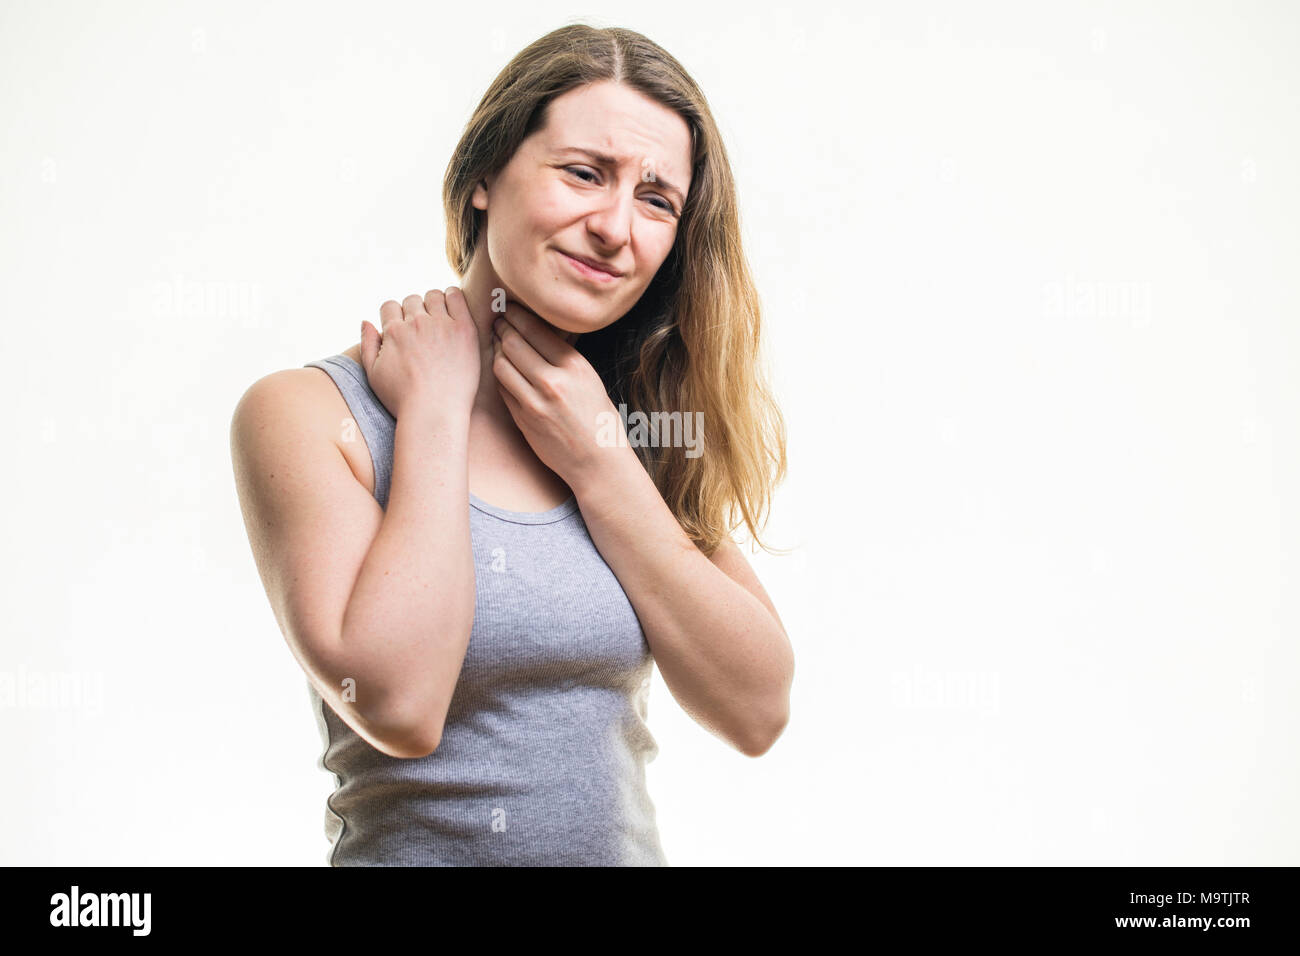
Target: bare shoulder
{"x":296,"y":404}
{"x":297,"y":391}
{"x":288,"y":396}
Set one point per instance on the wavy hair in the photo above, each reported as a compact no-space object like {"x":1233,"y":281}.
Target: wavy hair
{"x":692,"y":341}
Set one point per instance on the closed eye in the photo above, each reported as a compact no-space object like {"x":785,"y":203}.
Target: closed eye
{"x":663,"y":204}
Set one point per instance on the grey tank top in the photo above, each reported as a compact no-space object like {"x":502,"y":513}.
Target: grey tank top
{"x":543,"y":750}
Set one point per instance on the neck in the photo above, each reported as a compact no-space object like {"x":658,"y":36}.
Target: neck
{"x":479,"y":284}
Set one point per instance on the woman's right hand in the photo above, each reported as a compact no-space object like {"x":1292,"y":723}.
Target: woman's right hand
{"x":428,"y":356}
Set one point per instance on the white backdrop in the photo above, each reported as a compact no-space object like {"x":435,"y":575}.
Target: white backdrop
{"x":1031,"y":304}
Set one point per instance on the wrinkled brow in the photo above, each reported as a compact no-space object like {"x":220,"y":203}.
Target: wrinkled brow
{"x":607,"y":160}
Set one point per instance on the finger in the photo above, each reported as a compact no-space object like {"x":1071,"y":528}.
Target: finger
{"x":457,"y":307}
{"x":512,"y":403}
{"x":369,"y":346}
{"x":543,"y":337}
{"x":413,"y":306}
{"x":521,"y":354}
{"x":433,"y":302}
{"x":389,"y":313}
{"x":510,"y":377}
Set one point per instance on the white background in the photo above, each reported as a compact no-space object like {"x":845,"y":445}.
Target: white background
{"x":1030,"y":289}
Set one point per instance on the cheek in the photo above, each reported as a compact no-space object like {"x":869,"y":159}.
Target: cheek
{"x":662,"y":251}
{"x":512,"y":237}
{"x":549,"y":209}
{"x":531,"y":226}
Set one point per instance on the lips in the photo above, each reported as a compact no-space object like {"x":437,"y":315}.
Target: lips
{"x":593,"y":263}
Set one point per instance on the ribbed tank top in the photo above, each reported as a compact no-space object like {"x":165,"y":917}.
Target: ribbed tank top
{"x":543,"y":750}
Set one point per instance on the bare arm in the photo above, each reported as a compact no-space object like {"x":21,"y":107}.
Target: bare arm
{"x":413,"y":603}
{"x":383,"y":598}
{"x":714,"y":632}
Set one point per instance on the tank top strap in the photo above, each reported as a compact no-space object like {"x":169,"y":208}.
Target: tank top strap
{"x":377,"y":424}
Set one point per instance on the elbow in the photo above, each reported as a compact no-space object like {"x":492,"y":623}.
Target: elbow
{"x":765,"y":734}
{"x":762,"y":743}
{"x":416,"y":744}
{"x":411,"y":744}
{"x":412,"y":735}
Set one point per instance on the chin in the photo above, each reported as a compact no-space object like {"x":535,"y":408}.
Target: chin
{"x":569,"y":313}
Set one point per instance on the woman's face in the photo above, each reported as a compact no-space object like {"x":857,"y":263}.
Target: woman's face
{"x":554,"y":200}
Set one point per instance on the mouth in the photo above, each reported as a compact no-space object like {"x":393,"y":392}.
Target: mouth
{"x":588,"y":269}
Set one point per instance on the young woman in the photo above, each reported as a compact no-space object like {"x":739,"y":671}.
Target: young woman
{"x":475,"y":576}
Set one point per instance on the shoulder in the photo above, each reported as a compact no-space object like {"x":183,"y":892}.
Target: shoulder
{"x":294,"y":400}
{"x":293,"y":387}
{"x":293,"y":405}
{"x":287,"y":393}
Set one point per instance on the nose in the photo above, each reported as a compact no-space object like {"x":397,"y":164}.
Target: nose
{"x":611,"y":221}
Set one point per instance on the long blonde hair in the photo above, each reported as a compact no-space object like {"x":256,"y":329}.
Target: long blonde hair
{"x":691,"y":343}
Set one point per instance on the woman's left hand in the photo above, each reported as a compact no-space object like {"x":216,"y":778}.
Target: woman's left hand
{"x":554,"y":395}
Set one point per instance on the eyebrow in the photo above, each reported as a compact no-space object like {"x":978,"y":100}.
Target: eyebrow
{"x":608,"y":160}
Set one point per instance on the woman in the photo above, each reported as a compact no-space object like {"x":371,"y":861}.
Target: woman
{"x":480,"y":673}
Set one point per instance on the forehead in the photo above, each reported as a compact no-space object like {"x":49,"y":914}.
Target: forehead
{"x":616,"y":119}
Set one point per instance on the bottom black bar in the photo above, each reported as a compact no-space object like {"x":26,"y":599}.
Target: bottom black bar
{"x":1223,"y":906}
